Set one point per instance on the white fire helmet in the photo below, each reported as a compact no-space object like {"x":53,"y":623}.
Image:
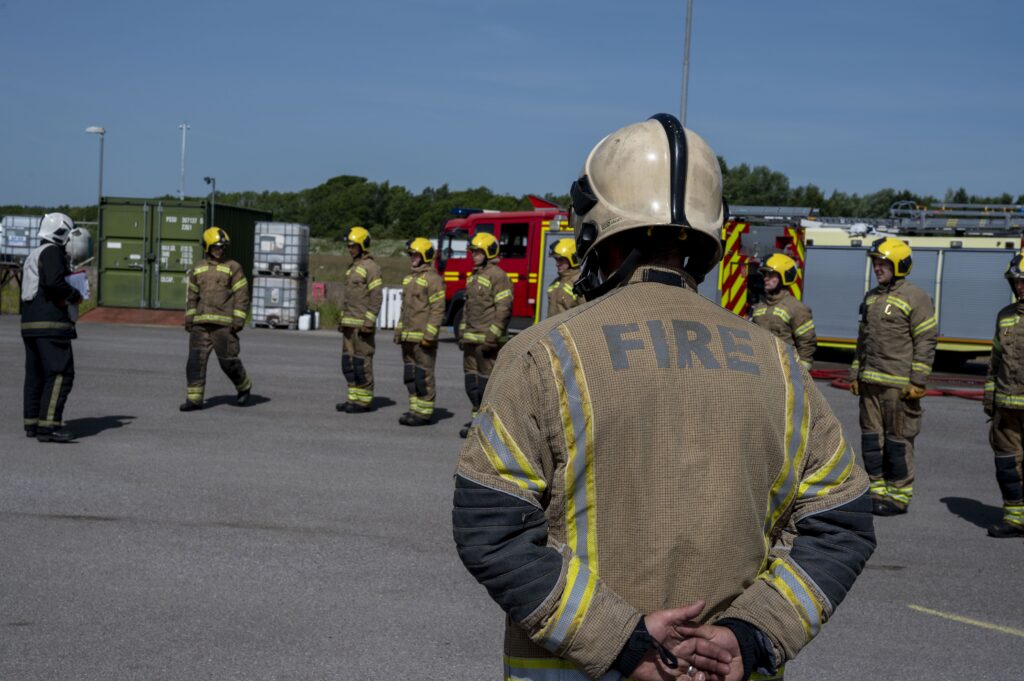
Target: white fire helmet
{"x":56,"y":228}
{"x":651,"y":174}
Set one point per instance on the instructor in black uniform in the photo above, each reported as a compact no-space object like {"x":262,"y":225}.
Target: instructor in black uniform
{"x":47,"y":328}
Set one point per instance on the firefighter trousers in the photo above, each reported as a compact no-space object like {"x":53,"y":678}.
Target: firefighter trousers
{"x":357,"y":350}
{"x":222,"y":340}
{"x":419,"y":364}
{"x":477,"y":364}
{"x":49,"y":375}
{"x":888,"y":427}
{"x":1007,"y":439}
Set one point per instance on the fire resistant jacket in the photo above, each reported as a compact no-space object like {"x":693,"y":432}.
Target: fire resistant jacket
{"x":897,"y":335}
{"x":363,"y":293}
{"x":218,"y":293}
{"x":46,"y":314}
{"x":488,"y":305}
{"x":1005,"y":383}
{"x":560,"y":293}
{"x":624,"y":461}
{"x":788,"y":319}
{"x":422,"y":305}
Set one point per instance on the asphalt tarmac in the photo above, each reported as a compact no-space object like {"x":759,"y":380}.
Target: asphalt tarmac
{"x":284,"y":540}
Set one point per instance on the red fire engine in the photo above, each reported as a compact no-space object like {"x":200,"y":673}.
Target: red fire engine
{"x":521,"y":242}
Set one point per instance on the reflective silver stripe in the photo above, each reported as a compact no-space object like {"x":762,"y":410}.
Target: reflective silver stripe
{"x":782,"y":572}
{"x":486,"y":426}
{"x":834,"y":477}
{"x":796,"y":384}
{"x":572,"y":607}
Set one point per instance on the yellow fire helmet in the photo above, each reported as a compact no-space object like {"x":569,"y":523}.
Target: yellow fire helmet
{"x":895,"y":251}
{"x":215,"y":236}
{"x":423,"y":247}
{"x":1014,"y":271}
{"x":486,"y":242}
{"x":783,"y":265}
{"x":565,"y":248}
{"x":359,"y":236}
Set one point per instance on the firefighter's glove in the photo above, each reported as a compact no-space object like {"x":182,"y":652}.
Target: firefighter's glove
{"x":855,"y":387}
{"x":912,"y":392}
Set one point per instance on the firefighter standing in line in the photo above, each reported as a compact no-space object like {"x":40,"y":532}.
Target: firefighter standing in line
{"x":216,"y":309}
{"x":363,"y":297}
{"x":486,"y":315}
{"x":625,"y":460}
{"x":47,"y":329}
{"x":417,"y":330}
{"x":895,"y":351}
{"x":561,"y":297}
{"x":781,"y":313}
{"x":1004,"y":402}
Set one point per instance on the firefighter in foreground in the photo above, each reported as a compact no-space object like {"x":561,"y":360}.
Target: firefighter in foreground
{"x":417,"y":330}
{"x":561,"y":296}
{"x":47,"y":329}
{"x":1004,"y":402}
{"x":215,"y":311}
{"x":484,"y":326}
{"x":782,"y":314}
{"x":626,"y":474}
{"x":363,"y":296}
{"x":895,"y":351}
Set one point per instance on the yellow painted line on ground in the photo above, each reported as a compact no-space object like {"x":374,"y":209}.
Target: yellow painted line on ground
{"x":967,"y":620}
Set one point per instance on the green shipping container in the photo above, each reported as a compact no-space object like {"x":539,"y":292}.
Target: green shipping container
{"x":147,"y":247}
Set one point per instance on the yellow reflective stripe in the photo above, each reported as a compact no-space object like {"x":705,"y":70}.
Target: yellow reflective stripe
{"x":241,"y":283}
{"x":553,"y":286}
{"x":422,"y":281}
{"x":224,"y":269}
{"x":431,"y":329}
{"x":1007,"y":322}
{"x":515,"y":667}
{"x":436,"y":297}
{"x":901,"y":494}
{"x":834,"y":472}
{"x":790,"y":581}
{"x":927,"y":324}
{"x":240,"y":313}
{"x":901,"y":304}
{"x":780,"y":313}
{"x":406,"y":279}
{"x":412,"y":335}
{"x":855,"y":365}
{"x":189,"y":312}
{"x":374,"y":284}
{"x":804,"y":328}
{"x":473,"y":337}
{"x":495,"y":329}
{"x":482,"y":280}
{"x":1009,"y":401}
{"x":372,"y":316}
{"x":31,"y":422}
{"x":870,"y":300}
{"x":54,"y":394}
{"x":351,"y":321}
{"x":568,"y":290}
{"x":212,"y":318}
{"x":577,"y":594}
{"x":759,"y":311}
{"x":360,"y":270}
{"x":797,"y":422}
{"x":193,"y":287}
{"x":990,"y":386}
{"x":502,"y":295}
{"x":507,"y":459}
{"x":46,"y":325}
{"x":883,"y":378}
{"x":577,"y":416}
{"x":201,"y":269}
{"x":807,"y":364}
{"x":921,"y":368}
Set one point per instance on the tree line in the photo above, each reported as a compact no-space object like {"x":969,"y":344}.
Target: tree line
{"x":392,"y":211}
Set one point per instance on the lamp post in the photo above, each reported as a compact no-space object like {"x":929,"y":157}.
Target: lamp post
{"x":686,"y":63}
{"x":184,"y":127}
{"x":213,"y":197}
{"x":97,"y":130}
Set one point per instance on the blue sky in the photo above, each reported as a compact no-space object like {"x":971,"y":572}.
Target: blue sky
{"x":854,"y":96}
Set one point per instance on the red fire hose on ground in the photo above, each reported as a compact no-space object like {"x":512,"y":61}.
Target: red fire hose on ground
{"x":973,"y":390}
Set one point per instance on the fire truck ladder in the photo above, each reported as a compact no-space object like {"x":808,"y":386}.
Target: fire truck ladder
{"x":961,"y":219}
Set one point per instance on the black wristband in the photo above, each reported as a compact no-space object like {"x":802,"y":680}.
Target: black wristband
{"x":751,"y":649}
{"x":633,"y":652}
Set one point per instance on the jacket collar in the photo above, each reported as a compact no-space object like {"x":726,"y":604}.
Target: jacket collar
{"x":776,"y":296}
{"x":662,"y":275}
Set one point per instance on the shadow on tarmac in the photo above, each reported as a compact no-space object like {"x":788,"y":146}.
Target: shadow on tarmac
{"x":94,"y":425}
{"x":442,"y":414}
{"x":381,"y":402}
{"x":217,"y":401}
{"x":981,"y":515}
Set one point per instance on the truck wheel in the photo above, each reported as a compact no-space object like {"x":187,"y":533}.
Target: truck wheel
{"x":456,"y":323}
